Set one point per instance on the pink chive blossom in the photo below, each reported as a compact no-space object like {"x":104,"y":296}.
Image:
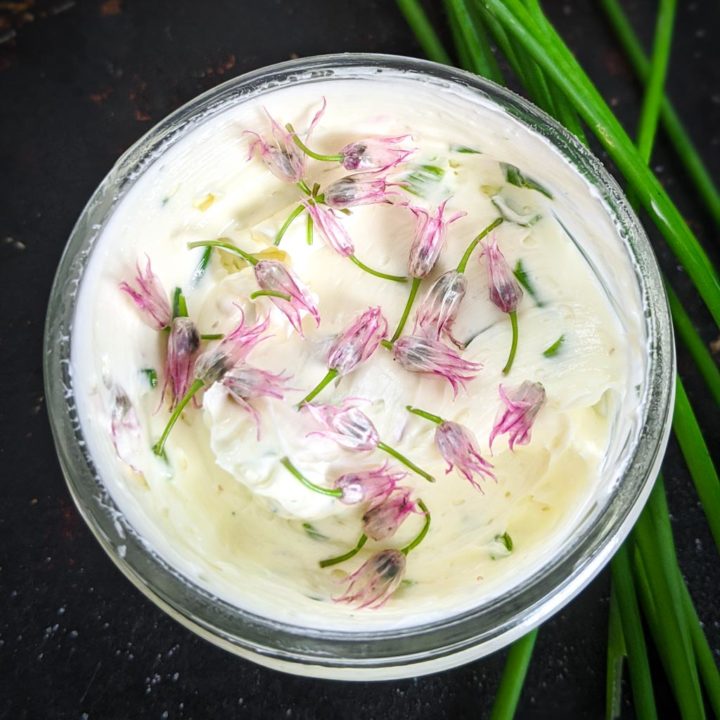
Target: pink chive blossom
{"x":348,"y":426}
{"x":149,"y":297}
{"x":331,"y":230}
{"x":362,"y":189}
{"x":183,"y":344}
{"x":124,"y":427}
{"x":213,"y":364}
{"x":279,"y":152}
{"x":424,"y":355}
{"x":372,"y":584}
{"x":358,"y":342}
{"x":439,"y":308}
{"x":523,"y":403}
{"x":459,"y":447}
{"x":245,"y":383}
{"x":375,"y":154}
{"x":505,"y":290}
{"x":429,"y":239}
{"x":370,"y":486}
{"x":273,"y":275}
{"x":383,"y":518}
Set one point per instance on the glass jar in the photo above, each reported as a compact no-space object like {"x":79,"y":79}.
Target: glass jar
{"x":630,"y":467}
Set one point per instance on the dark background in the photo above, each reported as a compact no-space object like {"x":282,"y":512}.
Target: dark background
{"x":80,"y":81}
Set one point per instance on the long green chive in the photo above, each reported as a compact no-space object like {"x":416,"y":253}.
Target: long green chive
{"x":692,"y":341}
{"x":641,"y":681}
{"x":698,"y":459}
{"x":513,"y":677}
{"x":225,"y":244}
{"x":284,"y":228}
{"x":558,"y":62}
{"x":616,"y":654}
{"x":426,"y":35}
{"x":406,"y":312}
{"x":657,"y":551}
{"x":479,"y":56}
{"x":159,"y":446}
{"x":332,"y":492}
{"x":684,"y":148}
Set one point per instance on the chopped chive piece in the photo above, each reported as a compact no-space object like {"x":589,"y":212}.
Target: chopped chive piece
{"x":313,"y":533}
{"x":515,"y":177}
{"x":202,"y":266}
{"x":554,"y":349}
{"x":464,"y":150}
{"x":212,"y":336}
{"x":179,"y":306}
{"x":506,"y":540}
{"x":422,"y":180}
{"x":151,"y":375}
{"x":524,"y":279}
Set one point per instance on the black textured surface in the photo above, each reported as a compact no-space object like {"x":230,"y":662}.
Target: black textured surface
{"x":81,"y":81}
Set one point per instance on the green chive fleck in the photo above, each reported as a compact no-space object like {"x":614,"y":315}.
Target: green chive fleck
{"x":151,"y":376}
{"x":515,"y":177}
{"x":554,"y":349}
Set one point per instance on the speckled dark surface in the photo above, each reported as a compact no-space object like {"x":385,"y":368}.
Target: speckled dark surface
{"x":80,"y":82}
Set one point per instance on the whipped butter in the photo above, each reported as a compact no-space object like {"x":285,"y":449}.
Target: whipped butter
{"x":220,"y":507}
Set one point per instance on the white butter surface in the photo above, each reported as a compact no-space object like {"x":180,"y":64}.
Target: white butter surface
{"x":224,"y":512}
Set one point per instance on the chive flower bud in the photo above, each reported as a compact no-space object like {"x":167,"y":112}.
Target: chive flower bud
{"x":430,"y":236}
{"x":458,"y":445}
{"x":274,"y":276}
{"x":361,"y":189}
{"x":424,"y":355}
{"x":368,"y":485}
{"x":374,"y":154}
{"x":438,"y":310}
{"x":384,"y":517}
{"x":522,"y":404}
{"x":332,"y":231}
{"x":372,"y":584}
{"x":149,"y":297}
{"x":358,"y":342}
{"x":183,"y":344}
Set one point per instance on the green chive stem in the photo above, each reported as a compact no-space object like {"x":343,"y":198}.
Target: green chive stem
{"x":212,"y":336}
{"x":423,"y":531}
{"x":684,"y":148}
{"x":332,"y":492}
{"x":179,"y":304}
{"x":513,"y":677}
{"x":632,"y":629}
{"x":159,"y":447}
{"x":462,"y":265}
{"x":514,"y":343}
{"x":406,"y":312}
{"x":309,"y":229}
{"x":424,"y":31}
{"x":377,"y":273}
{"x":309,"y":152}
{"x":225,"y":244}
{"x":421,"y":413}
{"x":288,"y":222}
{"x":346,"y":556}
{"x":304,"y":187}
{"x":616,"y":654}
{"x":270,"y":293}
{"x":405,"y":461}
{"x":329,"y":377}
